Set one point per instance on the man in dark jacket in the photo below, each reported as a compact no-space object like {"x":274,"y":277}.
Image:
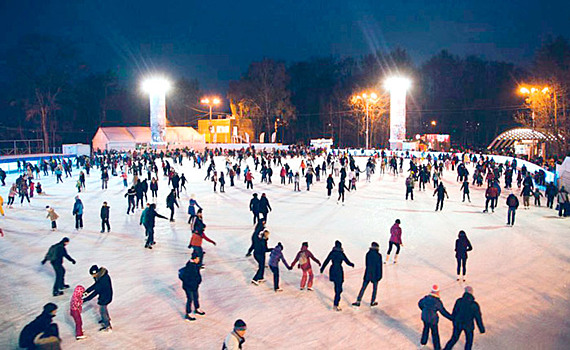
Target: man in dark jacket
{"x":131,"y":199}
{"x":465,"y":311}
{"x":37,"y":326}
{"x":491,"y":195}
{"x":264,"y":207}
{"x":104,"y":289}
{"x":550,"y":193}
{"x":258,"y":229}
{"x":513,"y":204}
{"x":430,"y":306}
{"x":148,"y":220}
{"x":139,"y":192}
{"x":254,"y":207}
{"x":441,"y":193}
{"x":55,"y":256}
{"x":105,"y":217}
{"x":259,"y":250}
{"x":171,"y":202}
{"x":191,"y":279}
{"x":372,"y":274}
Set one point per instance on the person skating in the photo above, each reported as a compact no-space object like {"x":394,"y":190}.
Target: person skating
{"x":462,"y":246}
{"x":198,"y":227}
{"x":550,"y":193}
{"x":38,"y":326}
{"x":236,"y":338}
{"x":105,"y":217}
{"x":304,"y":257}
{"x":395,"y":240}
{"x":465,"y":312}
{"x":254,"y":208}
{"x":52,"y":216}
{"x":192,"y":204}
{"x":372,"y":274}
{"x":75,"y":308}
{"x":264,"y":207}
{"x":148,"y":221}
{"x":536,"y":194}
{"x":222,"y":182}
{"x":259,"y":251}
{"x":441,"y":193}
{"x":258,"y":229}
{"x":341,"y":188}
{"x":55,"y":255}
{"x":526,"y":192}
{"x":171,"y":202}
{"x":563,"y":203}
{"x":191,"y":279}
{"x":491,"y":195}
{"x":465,"y":188}
{"x":274,"y":258}
{"x":78,"y":212}
{"x":336,"y":273}
{"x":330,"y":185}
{"x":410,"y":187}
{"x":513,"y":204}
{"x":104,"y":289}
{"x":130,"y":195}
{"x":430,"y":306}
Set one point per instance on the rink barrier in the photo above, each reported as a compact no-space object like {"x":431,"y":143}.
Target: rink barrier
{"x":10,"y":163}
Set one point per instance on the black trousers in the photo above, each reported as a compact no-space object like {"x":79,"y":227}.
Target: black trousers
{"x":337,"y":292}
{"x":410,"y":191}
{"x":255,"y":217}
{"x":59,"y":277}
{"x":549,"y":201}
{"x":390,"y":244}
{"x":461,"y":262}
{"x":131,"y":205}
{"x":457,"y":329}
{"x":149,"y":236}
{"x":105,"y":222}
{"x":78,"y":221}
{"x":264,"y":217}
{"x":433,"y":328}
{"x":439,"y":204}
{"x":260,"y":258}
{"x":363,"y":289}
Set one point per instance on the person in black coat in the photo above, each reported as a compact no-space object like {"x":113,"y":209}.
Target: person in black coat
{"x":372,"y":274}
{"x":465,"y":311}
{"x":171,"y":202}
{"x":148,"y":218}
{"x":130,"y":195}
{"x":513,"y":204}
{"x":191,"y":279}
{"x":264,"y":207}
{"x":38,"y":325}
{"x":441,"y":194}
{"x":139,"y":193}
{"x":430,"y":306}
{"x":462,"y":246}
{"x":330,"y":185}
{"x":105,"y":217}
{"x":104,"y":289}
{"x":55,"y":256}
{"x":259,"y":251}
{"x":254,"y":207}
{"x":258,"y":229}
{"x":336,"y":273}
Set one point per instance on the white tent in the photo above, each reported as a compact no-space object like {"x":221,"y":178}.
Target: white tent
{"x":563,"y":173}
{"x":134,"y":137}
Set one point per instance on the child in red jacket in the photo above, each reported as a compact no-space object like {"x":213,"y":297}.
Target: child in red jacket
{"x":75,"y":308}
{"x":304,"y":257}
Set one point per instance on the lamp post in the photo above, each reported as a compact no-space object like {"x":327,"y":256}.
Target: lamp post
{"x":156,"y":89}
{"x":213,"y":101}
{"x":398,"y":86}
{"x":367,"y":99}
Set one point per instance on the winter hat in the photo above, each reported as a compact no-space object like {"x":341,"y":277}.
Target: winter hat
{"x":398,"y":221}
{"x":337,"y":244}
{"x":469,"y":290}
{"x":435,"y":289}
{"x":375,"y":246}
{"x":65,"y":239}
{"x":199,"y":211}
{"x":305,"y":244}
{"x":240,"y":325}
{"x":50,"y":307}
{"x":280,"y":246}
{"x":93,"y":269}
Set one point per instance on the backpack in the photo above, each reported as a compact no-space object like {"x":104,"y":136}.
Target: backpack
{"x":51,"y":254}
{"x":181,"y":274}
{"x":303,"y":259}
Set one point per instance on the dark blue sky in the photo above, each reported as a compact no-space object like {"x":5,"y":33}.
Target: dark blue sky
{"x":214,"y":41}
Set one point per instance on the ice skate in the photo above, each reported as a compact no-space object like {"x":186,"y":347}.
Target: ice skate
{"x":199,"y":312}
{"x":255,"y":282}
{"x":80,"y":337}
{"x":373,"y":304}
{"x":356,"y":304}
{"x":310,"y":289}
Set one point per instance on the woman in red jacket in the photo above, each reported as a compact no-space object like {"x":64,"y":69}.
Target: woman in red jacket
{"x":395,"y":239}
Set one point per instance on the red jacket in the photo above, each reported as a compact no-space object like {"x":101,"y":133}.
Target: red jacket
{"x":396,"y":234}
{"x":304,"y":257}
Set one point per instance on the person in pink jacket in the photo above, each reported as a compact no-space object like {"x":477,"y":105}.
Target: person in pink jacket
{"x":75,"y":308}
{"x":395,"y":239}
{"x":304,"y":257}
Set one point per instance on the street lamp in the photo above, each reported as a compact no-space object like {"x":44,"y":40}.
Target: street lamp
{"x":398,"y":86}
{"x":367,"y":99}
{"x":210,"y":102}
{"x":433,"y":123}
{"x":157,"y":88}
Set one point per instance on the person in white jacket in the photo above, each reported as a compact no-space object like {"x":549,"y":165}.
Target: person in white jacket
{"x":235,"y":340}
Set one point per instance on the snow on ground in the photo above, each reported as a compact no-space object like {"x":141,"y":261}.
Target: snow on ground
{"x":519,"y":274}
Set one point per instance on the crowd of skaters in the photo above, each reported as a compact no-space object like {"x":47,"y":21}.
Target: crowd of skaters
{"x":342,"y":166}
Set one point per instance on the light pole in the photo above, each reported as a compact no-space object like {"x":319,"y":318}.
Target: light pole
{"x":156,"y":89}
{"x":367,"y":99}
{"x":214,"y":101}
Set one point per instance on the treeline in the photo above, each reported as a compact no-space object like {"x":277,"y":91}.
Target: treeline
{"x":51,"y":94}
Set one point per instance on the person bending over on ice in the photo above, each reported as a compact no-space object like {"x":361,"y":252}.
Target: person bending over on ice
{"x":304,"y":257}
{"x":104,"y":289}
{"x":336,"y":273}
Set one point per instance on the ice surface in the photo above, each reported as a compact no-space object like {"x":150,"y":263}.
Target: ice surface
{"x":519,"y":274}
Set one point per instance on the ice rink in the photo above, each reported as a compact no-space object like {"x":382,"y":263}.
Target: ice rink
{"x":519,"y":274}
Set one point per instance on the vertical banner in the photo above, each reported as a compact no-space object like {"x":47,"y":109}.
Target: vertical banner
{"x":158,"y":117}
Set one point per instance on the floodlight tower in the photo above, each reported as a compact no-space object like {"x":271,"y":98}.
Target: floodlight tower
{"x":157,"y":89}
{"x":397,"y":87}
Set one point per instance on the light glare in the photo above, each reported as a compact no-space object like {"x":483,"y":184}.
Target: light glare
{"x":397,"y":83}
{"x":156,"y":85}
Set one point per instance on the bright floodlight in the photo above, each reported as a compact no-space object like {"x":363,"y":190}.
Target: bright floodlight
{"x":156,"y":89}
{"x":524,"y":90}
{"x":156,"y":86}
{"x":397,"y":83}
{"x":216,"y":101}
{"x":397,"y":87}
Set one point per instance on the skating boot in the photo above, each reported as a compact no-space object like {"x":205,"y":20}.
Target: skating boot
{"x":199,"y":312}
{"x":387,"y":258}
{"x":356,"y":303}
{"x":189,"y":318}
{"x":458,"y":277}
{"x":396,"y":258}
{"x":463,"y":278}
{"x":374,"y":304}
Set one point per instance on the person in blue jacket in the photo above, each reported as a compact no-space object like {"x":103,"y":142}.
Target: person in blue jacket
{"x":78,"y":212}
{"x":430,"y":306}
{"x":274,"y":258}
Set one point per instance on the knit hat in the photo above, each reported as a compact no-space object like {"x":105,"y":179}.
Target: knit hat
{"x":93,"y":269}
{"x":375,"y":245}
{"x":435,"y":289}
{"x":240,"y":325}
{"x":49,"y":307}
{"x":398,"y":221}
{"x":469,"y":290}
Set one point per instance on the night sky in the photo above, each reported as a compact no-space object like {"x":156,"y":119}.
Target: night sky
{"x":214,"y":41}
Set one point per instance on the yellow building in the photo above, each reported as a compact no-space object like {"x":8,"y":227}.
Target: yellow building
{"x":227,"y":130}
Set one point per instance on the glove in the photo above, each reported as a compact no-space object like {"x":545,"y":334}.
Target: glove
{"x":73,"y":262}
{"x":43,"y":262}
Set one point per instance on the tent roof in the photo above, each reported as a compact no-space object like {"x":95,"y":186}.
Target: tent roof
{"x":142,"y":134}
{"x":507,"y":138}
